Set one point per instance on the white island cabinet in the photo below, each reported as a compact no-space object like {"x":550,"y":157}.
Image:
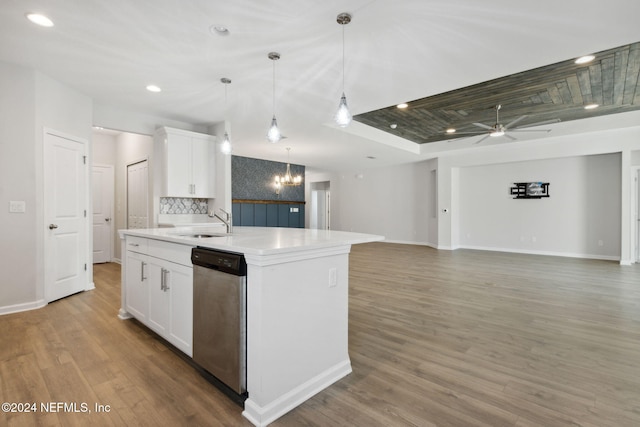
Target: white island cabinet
{"x":159,"y":288}
{"x":297,"y":307}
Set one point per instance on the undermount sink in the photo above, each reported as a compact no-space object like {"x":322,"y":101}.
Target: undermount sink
{"x":204,"y":235}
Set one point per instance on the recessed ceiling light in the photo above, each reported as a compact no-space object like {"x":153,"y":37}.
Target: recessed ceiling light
{"x":219,"y":30}
{"x":153,"y":88}
{"x":591,"y":106}
{"x":393,"y":125}
{"x":451,"y":130}
{"x":403,"y":105}
{"x":584,"y":59}
{"x":39,"y":19}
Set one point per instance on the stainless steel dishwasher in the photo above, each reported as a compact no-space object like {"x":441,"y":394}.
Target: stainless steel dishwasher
{"x":220,"y":315}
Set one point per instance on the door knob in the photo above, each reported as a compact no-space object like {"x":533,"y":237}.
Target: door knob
{"x":107,"y":219}
{"x":52,"y":226}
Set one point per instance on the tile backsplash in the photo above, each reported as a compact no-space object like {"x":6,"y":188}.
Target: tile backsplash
{"x":183,"y":205}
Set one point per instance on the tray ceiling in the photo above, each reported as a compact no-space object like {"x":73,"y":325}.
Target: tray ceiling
{"x":553,"y":93}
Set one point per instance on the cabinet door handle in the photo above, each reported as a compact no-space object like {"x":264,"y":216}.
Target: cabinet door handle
{"x":162,"y":279}
{"x":166,"y":281}
{"x":134,"y":244}
{"x":142,"y":278}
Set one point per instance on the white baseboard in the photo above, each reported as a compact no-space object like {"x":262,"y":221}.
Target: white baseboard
{"x":16,"y":308}
{"x":264,"y":415}
{"x":409,"y":242}
{"x":545,"y":253}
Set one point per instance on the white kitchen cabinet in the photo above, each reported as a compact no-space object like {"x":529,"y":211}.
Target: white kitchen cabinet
{"x":158,"y":318}
{"x":137,"y":293}
{"x":159,"y":289}
{"x":187,"y":163}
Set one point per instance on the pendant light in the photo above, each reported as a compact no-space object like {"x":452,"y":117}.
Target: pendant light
{"x":274,"y":135}
{"x":343,"y":116}
{"x":225,"y":147}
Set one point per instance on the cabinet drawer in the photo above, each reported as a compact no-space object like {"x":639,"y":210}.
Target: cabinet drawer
{"x":173,"y":252}
{"x":137,"y":244}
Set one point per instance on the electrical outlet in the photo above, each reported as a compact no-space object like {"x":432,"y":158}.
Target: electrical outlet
{"x":333,"y":277}
{"x":17,"y":206}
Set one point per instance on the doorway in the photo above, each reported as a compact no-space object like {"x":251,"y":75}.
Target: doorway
{"x":320,"y":216}
{"x":138,"y":195}
{"x":636,"y":217}
{"x":103,"y":196}
{"x":65,"y":215}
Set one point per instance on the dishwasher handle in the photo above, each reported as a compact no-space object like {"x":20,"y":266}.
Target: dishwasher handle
{"x":226,"y":262}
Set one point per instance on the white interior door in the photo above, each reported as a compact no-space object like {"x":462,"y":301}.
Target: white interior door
{"x":65,"y":214}
{"x":138,"y":195}
{"x":103,"y":188}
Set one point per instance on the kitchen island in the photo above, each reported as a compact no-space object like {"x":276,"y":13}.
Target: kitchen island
{"x":297,"y":304}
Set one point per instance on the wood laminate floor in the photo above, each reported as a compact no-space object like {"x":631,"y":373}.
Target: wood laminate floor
{"x":437,"y":338}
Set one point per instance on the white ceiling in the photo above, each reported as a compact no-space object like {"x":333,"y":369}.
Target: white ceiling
{"x":396,"y":50}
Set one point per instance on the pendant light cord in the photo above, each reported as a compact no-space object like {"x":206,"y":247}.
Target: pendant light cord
{"x":226,"y":108}
{"x":342,"y":58}
{"x":274,"y":87}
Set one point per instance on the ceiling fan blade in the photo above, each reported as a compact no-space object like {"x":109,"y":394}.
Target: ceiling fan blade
{"x":510,"y":137}
{"x":481,"y":139}
{"x":480,"y":132}
{"x":513,"y":122}
{"x":529,"y":130}
{"x":483,"y":126}
{"x":545,"y":122}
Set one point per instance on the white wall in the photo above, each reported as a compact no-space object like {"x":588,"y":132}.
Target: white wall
{"x":17,"y":182}
{"x":30,"y":102}
{"x":393,"y":202}
{"x":580,"y":218}
{"x":399,"y":202}
{"x":104,"y":149}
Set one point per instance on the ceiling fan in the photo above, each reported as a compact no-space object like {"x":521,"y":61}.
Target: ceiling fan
{"x":498,"y":129}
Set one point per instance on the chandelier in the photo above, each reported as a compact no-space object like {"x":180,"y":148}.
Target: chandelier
{"x":287,"y":179}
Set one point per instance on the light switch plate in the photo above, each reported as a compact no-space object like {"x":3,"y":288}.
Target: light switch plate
{"x":18,"y":206}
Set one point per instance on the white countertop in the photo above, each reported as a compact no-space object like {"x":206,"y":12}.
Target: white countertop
{"x":256,"y":240}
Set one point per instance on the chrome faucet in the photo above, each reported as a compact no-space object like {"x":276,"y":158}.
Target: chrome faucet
{"x":226,"y":220}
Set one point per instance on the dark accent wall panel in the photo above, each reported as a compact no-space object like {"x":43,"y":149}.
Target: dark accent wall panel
{"x":272,"y":215}
{"x":247,"y":213}
{"x":268,"y":214}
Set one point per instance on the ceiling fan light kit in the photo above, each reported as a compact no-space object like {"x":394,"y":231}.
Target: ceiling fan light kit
{"x":498,"y":129}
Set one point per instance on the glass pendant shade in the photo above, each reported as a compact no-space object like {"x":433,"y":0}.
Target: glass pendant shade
{"x":274,"y":135}
{"x":225,"y":147}
{"x":343,"y":116}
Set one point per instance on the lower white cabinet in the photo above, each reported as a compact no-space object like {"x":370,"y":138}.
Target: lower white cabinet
{"x":137,"y":292}
{"x":159,"y":293}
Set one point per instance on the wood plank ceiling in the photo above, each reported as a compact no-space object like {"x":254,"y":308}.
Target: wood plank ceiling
{"x":552,"y":93}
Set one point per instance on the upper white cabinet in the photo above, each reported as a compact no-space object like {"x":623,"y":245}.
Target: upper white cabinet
{"x":187,"y":162}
